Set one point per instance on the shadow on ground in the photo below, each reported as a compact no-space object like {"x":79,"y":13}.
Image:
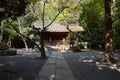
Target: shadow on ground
{"x":84,"y":67}
{"x":20,"y":67}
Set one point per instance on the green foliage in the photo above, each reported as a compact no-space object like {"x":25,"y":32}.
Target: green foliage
{"x":8,"y":31}
{"x":116,"y":23}
{"x":76,"y":49}
{"x":3,"y":46}
{"x":21,"y":24}
{"x":116,"y":41}
{"x":70,"y":37}
{"x":71,"y":13}
{"x":91,"y":18}
{"x":33,"y":1}
{"x":12,"y":8}
{"x":51,"y":11}
{"x":52,"y":8}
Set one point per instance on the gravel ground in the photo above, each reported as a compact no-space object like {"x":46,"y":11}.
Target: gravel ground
{"x":22,"y":66}
{"x":84,"y":66}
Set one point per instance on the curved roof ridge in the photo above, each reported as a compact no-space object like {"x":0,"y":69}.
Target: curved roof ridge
{"x":59,"y":27}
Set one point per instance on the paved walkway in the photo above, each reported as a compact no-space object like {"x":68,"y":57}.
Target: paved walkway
{"x":56,"y":68}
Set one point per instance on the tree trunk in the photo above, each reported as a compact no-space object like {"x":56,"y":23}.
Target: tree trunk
{"x":0,"y":20}
{"x":109,"y":32}
{"x":43,"y":55}
{"x":25,"y":43}
{"x":9,"y":42}
{"x":1,"y":31}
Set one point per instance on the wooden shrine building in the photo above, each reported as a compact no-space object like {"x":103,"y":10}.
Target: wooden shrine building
{"x":57,"y":31}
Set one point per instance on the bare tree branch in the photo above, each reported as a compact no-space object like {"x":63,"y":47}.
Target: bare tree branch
{"x":43,"y":14}
{"x":32,"y":8}
{"x":54,"y":18}
{"x":92,"y":41}
{"x":23,"y":34}
{"x":115,"y":19}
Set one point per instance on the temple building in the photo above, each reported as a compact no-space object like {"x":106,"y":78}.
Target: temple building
{"x":57,"y":32}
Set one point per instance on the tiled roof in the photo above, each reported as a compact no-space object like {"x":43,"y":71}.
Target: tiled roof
{"x":58,"y":27}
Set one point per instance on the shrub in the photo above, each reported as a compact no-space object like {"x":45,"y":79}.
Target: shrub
{"x":76,"y":49}
{"x":3,"y":46}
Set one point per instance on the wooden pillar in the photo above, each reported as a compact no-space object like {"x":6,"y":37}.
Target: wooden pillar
{"x":50,"y":41}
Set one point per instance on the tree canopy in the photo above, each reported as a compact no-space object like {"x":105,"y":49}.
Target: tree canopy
{"x":12,"y":8}
{"x":91,"y":14}
{"x":92,"y":19}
